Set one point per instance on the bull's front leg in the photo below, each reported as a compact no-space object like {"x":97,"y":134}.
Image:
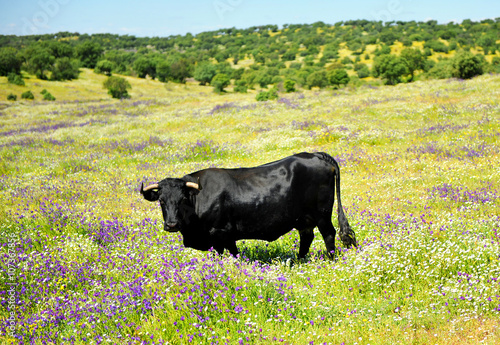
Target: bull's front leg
{"x":222,"y":240}
{"x":231,"y":246}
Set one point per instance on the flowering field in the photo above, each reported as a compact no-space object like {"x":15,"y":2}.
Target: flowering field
{"x":84,"y":258}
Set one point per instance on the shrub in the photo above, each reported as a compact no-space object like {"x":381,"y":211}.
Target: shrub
{"x":27,"y":95}
{"x":240,"y":86}
{"x":15,"y":79}
{"x":466,"y":65}
{"x":117,"y":87}
{"x":11,"y":97}
{"x":267,"y":95}
{"x":47,"y":96}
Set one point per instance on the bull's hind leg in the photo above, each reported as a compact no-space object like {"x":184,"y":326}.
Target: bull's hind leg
{"x":328,"y":232}
{"x":306,"y":238}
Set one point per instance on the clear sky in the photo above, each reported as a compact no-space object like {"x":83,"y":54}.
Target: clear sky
{"x":165,"y":17}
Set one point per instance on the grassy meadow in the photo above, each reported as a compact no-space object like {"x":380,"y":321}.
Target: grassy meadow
{"x":92,"y":265}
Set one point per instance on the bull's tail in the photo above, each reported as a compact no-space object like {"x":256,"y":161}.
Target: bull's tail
{"x":346,"y":233}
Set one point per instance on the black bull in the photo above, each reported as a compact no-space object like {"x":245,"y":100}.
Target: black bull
{"x":216,"y":207}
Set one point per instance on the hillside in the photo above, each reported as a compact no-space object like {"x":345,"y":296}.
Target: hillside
{"x":259,"y":57}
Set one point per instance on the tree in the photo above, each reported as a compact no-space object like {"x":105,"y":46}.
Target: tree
{"x":104,"y":67}
{"x":264,"y":78}
{"x":413,"y":59}
{"x":220,"y":81}
{"x":289,"y":55}
{"x":144,"y":66}
{"x":180,"y":70}
{"x":89,"y":53}
{"x":117,"y":87}
{"x":40,"y":61}
{"x":466,"y":65}
{"x":237,"y":73}
{"x":163,"y":71}
{"x":338,"y":77}
{"x":390,"y":68}
{"x":65,"y":69}
{"x":317,"y":78}
{"x":362,"y":70}
{"x":440,"y":70}
{"x":9,"y":61}
{"x":204,"y":73}
{"x":60,"y":49}
{"x":495,"y":64}
{"x":289,"y":85}
{"x":488,"y":43}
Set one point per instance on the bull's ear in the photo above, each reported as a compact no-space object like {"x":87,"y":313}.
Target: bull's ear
{"x":150,"y":193}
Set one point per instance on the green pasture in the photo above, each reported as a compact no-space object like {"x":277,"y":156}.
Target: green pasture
{"x":420,"y":186}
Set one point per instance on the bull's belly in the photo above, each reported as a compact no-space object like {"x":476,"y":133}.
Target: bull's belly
{"x":270,"y":232}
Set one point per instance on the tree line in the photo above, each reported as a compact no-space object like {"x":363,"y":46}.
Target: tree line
{"x":305,"y":55}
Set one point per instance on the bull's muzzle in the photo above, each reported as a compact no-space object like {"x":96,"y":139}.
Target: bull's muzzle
{"x":171,"y":227}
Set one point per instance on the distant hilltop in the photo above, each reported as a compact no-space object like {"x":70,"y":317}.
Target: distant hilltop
{"x":309,"y":55}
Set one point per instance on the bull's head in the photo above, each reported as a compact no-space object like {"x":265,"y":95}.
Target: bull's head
{"x":175,"y":200}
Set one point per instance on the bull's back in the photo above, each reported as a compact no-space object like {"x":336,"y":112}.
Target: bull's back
{"x":267,"y":201}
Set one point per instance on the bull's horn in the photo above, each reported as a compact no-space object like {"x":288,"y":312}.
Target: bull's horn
{"x":193,"y":185}
{"x":153,"y":186}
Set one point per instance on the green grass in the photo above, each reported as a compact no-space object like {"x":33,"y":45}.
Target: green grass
{"x":419,"y":167}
